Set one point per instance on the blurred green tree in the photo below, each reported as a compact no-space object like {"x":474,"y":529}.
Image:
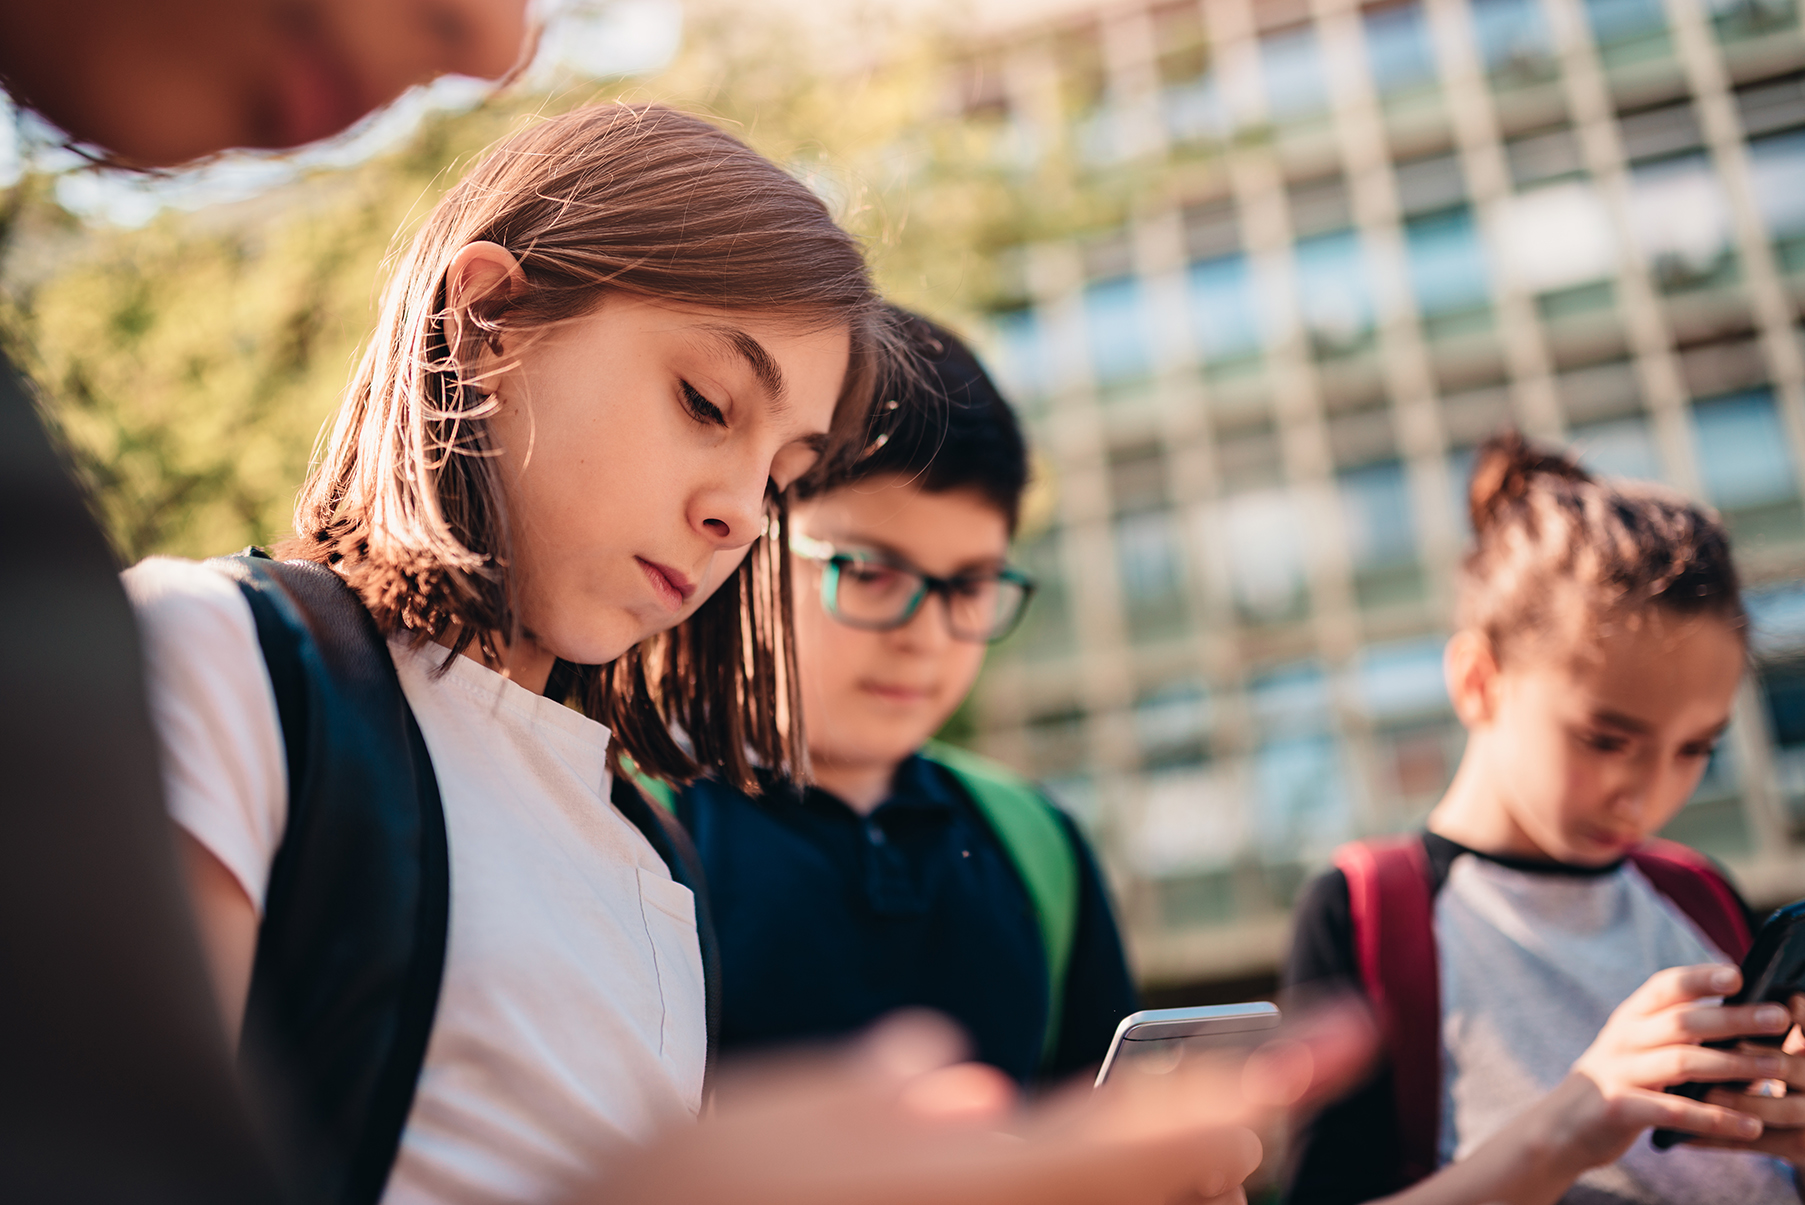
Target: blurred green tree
{"x":190,"y":364}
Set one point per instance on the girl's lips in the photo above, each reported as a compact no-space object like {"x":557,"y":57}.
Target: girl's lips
{"x":896,"y":694}
{"x":1617,"y":841}
{"x":673,"y":589}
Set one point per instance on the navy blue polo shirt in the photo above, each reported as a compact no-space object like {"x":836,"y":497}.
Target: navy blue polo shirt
{"x":828,"y":920}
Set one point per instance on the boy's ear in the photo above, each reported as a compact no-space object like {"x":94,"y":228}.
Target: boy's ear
{"x":1470,"y":669}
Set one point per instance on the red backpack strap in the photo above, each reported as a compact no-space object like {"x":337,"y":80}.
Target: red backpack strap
{"x":1392,"y":909}
{"x":1697,"y":888}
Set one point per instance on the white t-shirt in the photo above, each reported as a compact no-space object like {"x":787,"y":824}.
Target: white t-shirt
{"x":571,"y":1015}
{"x":1532,"y":965}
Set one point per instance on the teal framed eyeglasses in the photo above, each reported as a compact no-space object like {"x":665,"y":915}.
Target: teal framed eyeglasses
{"x":878,"y":593}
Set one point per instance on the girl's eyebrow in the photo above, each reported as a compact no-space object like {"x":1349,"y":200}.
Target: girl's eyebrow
{"x":752,"y":352}
{"x":1617,"y":719}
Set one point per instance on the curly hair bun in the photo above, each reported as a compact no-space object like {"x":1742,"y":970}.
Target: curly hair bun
{"x":1559,"y":554}
{"x":1504,"y":470}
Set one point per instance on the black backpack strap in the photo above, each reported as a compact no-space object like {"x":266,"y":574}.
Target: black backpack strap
{"x":673,"y":844}
{"x":351,"y":950}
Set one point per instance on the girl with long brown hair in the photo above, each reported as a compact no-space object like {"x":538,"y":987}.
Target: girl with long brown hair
{"x":561,"y":462}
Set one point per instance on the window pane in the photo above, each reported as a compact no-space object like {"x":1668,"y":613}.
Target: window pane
{"x":1336,"y":306}
{"x":1298,"y":772}
{"x":1460,"y":480}
{"x":1681,"y":220}
{"x":1513,"y":37}
{"x":1742,"y":451}
{"x":1117,"y":330}
{"x":1375,"y":505}
{"x":1777,"y":165}
{"x":1021,"y":355}
{"x":1397,"y":45}
{"x":1225,"y":313}
{"x":1401,"y":679}
{"x":1749,"y":18}
{"x":1293,"y":70}
{"x":1195,"y":111}
{"x":1777,"y":622}
{"x":1617,"y":21}
{"x":1747,"y":468}
{"x":1622,"y":447}
{"x":1265,"y":555}
{"x":1148,"y":558}
{"x":1289,"y":700}
{"x":1190,"y":820}
{"x":1303,"y":809}
{"x":1447,"y":262}
{"x":1558,"y":236}
{"x":1171,"y":725}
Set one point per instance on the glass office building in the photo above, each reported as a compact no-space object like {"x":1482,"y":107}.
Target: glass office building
{"x":1356,"y":240}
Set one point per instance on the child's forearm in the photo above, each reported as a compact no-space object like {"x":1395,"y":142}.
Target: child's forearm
{"x":1533,"y":1160}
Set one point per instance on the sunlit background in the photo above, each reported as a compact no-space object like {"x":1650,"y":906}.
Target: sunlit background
{"x":1260,"y":274}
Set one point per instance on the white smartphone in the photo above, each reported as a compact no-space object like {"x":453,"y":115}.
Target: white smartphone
{"x":1155,"y":1040}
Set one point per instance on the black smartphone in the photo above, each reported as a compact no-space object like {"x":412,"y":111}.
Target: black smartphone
{"x":1773,"y":973}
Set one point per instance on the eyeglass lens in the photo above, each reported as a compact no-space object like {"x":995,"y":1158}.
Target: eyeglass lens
{"x":883,"y":596}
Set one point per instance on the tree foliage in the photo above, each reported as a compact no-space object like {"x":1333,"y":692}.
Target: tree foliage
{"x":191,"y":364}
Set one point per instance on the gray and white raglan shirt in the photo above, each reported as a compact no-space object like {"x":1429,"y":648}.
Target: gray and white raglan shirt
{"x":1533,"y":960}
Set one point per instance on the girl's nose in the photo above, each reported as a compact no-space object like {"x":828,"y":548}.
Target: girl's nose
{"x":730,"y":518}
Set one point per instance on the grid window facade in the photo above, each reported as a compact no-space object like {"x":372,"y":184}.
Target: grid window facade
{"x":1367,"y":236}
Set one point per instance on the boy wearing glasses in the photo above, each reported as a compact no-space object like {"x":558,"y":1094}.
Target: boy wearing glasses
{"x":902,"y":880}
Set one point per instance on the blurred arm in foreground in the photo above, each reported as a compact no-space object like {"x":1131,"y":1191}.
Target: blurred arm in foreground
{"x":895,"y":1122}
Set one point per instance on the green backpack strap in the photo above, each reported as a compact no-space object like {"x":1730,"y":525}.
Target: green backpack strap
{"x":657,"y":790}
{"x":1037,"y":843}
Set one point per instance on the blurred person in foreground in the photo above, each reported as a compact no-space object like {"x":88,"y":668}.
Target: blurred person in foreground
{"x":115,"y":1084}
{"x":910,"y":873}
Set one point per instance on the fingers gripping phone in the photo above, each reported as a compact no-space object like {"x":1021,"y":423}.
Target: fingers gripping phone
{"x":1156,"y":1040}
{"x":1773,"y":973}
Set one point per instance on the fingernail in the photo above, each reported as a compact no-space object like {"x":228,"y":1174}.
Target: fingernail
{"x":1771,"y":1016}
{"x":1748,"y":1127}
{"x":1213,"y":1184}
{"x":1771,"y":1064}
{"x":1724,"y":978}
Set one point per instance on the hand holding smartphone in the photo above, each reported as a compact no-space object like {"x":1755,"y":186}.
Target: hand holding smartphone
{"x":1773,"y":973}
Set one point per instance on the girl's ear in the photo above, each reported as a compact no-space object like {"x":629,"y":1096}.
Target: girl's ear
{"x":482,"y":271}
{"x":1471,"y":671}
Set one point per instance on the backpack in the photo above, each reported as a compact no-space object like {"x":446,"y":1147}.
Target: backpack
{"x":1391,"y":908}
{"x":1030,"y":833}
{"x":351,"y":948}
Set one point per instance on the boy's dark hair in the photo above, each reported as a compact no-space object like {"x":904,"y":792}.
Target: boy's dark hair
{"x":943,"y":423}
{"x":1559,"y":555}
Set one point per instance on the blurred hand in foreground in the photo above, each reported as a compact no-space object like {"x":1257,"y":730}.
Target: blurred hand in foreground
{"x":159,"y":84}
{"x":895,"y":1121}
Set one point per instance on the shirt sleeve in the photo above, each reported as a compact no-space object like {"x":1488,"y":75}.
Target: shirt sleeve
{"x":1350,"y":1151}
{"x":1099,"y":991}
{"x":225,"y":771}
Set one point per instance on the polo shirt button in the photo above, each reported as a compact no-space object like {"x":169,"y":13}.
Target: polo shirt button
{"x":874,"y":833}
